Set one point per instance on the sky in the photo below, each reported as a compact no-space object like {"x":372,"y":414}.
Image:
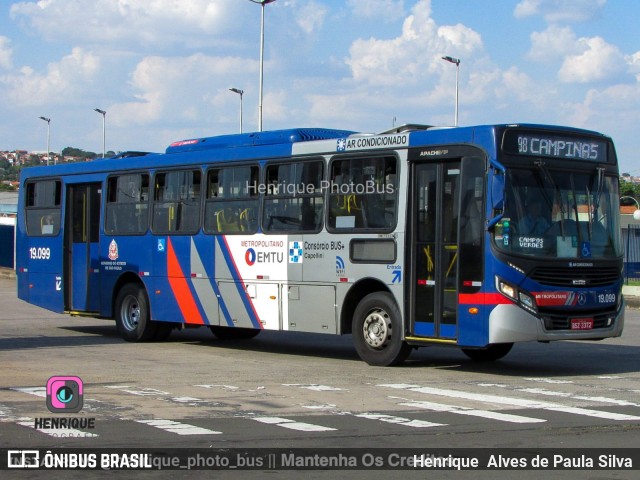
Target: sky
{"x":162,"y":69}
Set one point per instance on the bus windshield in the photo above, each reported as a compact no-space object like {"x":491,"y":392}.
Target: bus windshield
{"x":559,"y":214}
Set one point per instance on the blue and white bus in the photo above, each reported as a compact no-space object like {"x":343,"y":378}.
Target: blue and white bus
{"x":475,"y":237}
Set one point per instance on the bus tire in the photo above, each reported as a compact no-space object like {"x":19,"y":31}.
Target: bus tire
{"x":377,"y":331}
{"x":489,"y":354}
{"x":234,"y":333}
{"x":132,"y":314}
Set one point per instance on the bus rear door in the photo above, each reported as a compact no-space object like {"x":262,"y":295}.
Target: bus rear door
{"x":82,"y":235}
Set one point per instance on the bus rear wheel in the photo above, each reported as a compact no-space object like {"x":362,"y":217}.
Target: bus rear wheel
{"x":132,"y":314}
{"x":377,"y":331}
{"x":489,"y":354}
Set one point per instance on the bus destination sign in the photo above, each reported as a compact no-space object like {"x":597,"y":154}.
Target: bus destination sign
{"x":542,"y":144}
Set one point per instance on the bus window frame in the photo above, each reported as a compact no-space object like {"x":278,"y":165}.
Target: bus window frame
{"x":257,"y":198}
{"x":150,"y":194}
{"x":363,"y":155}
{"x":51,"y":211}
{"x":265,"y":196}
{"x":164,"y":171}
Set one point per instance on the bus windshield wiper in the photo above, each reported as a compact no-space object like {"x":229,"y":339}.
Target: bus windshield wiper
{"x":547,"y":176}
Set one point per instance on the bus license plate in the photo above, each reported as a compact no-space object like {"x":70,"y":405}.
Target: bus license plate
{"x":582,"y":324}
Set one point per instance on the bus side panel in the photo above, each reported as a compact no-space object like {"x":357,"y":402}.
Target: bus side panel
{"x":119,"y":255}
{"x":175,"y":298}
{"x":22,"y":255}
{"x":474,"y":328}
{"x":41,"y":284}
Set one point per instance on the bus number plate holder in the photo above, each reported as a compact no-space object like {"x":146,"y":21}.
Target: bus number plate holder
{"x":582,"y":324}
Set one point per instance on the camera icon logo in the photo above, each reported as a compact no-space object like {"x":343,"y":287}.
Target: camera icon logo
{"x":64,"y":394}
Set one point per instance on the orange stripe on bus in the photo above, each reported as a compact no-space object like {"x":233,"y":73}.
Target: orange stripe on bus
{"x":180,"y":288}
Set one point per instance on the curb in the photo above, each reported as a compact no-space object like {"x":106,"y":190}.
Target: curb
{"x":7,"y":273}
{"x":632,"y":301}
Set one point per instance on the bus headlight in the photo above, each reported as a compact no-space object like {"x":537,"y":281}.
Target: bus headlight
{"x":526,"y":301}
{"x":507,"y":289}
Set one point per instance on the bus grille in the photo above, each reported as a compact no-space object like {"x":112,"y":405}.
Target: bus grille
{"x":576,"y":277}
{"x":561,"y":321}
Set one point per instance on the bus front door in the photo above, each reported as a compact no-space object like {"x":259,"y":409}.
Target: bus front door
{"x":82,"y":235}
{"x":446,"y":243}
{"x":436,"y":193}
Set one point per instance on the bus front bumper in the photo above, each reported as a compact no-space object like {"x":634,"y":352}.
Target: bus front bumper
{"x":511,"y":324}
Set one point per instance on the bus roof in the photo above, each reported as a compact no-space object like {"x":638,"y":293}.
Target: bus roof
{"x":297,"y":141}
{"x":273,"y":137}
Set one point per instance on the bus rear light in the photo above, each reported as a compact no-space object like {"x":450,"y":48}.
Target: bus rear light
{"x":474,"y":310}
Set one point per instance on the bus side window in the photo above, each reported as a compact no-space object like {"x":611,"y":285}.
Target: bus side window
{"x":363,"y":194}
{"x":127,"y":209}
{"x":42,"y":207}
{"x":294,"y":197}
{"x":231,"y":200}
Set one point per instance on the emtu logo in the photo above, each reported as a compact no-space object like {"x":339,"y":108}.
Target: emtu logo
{"x":64,"y":394}
{"x":250,"y":256}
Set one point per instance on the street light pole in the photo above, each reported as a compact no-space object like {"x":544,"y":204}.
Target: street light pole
{"x":636,"y":214}
{"x":239,"y":92}
{"x":455,"y":61}
{"x":104,"y":130}
{"x":48,"y":120}
{"x":262,"y":4}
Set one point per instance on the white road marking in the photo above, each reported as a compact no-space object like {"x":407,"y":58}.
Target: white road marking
{"x":293,"y":425}
{"x":326,"y":406}
{"x":399,"y":420}
{"x":178,"y":428}
{"x":503,"y":417}
{"x":315,"y":387}
{"x":37,"y":391}
{"x":227,"y":387}
{"x":57,"y":432}
{"x":547,"y":380}
{"x":553,"y":393}
{"x":144,"y":392}
{"x":511,"y":401}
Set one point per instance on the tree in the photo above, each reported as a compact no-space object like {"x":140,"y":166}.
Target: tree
{"x":77,"y":152}
{"x":629,"y":189}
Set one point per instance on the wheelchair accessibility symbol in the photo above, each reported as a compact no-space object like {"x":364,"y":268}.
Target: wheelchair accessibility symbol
{"x":585,"y":250}
{"x":161,"y":244}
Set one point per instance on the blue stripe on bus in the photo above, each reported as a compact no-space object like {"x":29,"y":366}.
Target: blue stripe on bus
{"x":239,"y":282}
{"x":211,"y":275}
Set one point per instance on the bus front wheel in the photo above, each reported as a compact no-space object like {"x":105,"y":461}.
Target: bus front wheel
{"x":377,"y":331}
{"x":489,"y":354}
{"x":132,"y":314}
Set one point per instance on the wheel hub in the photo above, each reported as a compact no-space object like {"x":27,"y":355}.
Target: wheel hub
{"x":131,"y":313}
{"x":377,"y":329}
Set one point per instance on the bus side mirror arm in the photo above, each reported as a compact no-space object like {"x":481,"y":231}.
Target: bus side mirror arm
{"x":497,"y":174}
